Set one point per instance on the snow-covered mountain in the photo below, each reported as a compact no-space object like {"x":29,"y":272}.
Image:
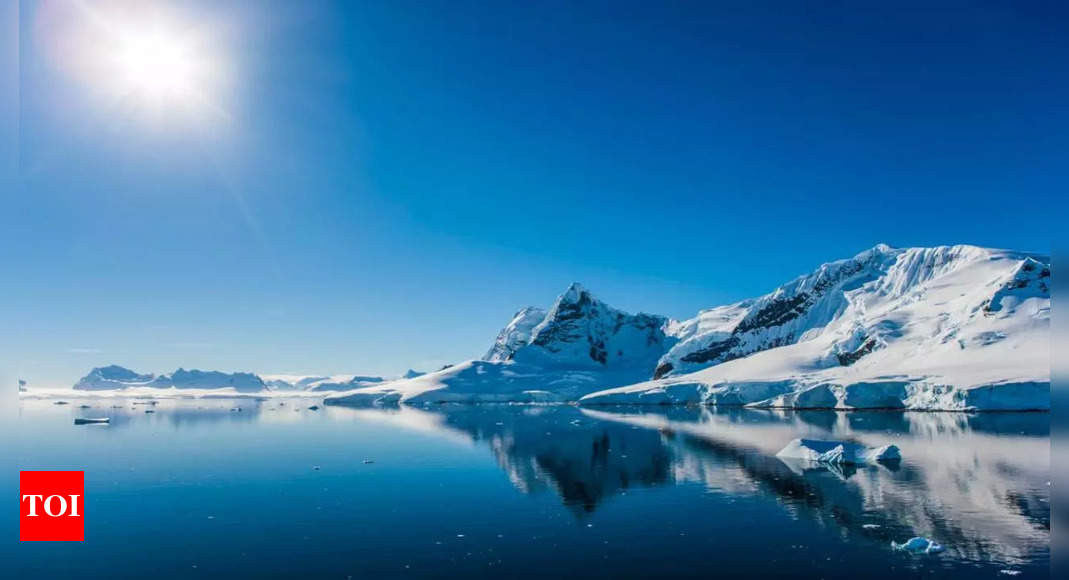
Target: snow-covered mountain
{"x":112,"y":377}
{"x":580,"y":344}
{"x":582,"y":332}
{"x":115,"y":377}
{"x":804,"y":306}
{"x":949,"y":327}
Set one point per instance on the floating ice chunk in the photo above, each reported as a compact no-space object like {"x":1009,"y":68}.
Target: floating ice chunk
{"x":1009,"y":572}
{"x":918,"y":545}
{"x":871,"y":526}
{"x":837,"y":452}
{"x":91,"y":420}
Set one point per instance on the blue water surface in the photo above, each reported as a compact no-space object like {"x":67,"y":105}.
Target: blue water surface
{"x":272,"y":489}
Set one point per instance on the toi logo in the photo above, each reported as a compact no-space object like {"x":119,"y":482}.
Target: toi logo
{"x":51,"y":506}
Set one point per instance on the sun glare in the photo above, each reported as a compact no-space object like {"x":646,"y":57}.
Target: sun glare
{"x":143,"y":57}
{"x":155,"y":66}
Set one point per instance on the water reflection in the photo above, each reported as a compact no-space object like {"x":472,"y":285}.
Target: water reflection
{"x":976,"y":483}
{"x":178,"y":413}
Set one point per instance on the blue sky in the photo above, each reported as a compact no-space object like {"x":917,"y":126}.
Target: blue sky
{"x":388,"y":182}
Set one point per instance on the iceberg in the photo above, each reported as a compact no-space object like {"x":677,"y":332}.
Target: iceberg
{"x":918,"y":545}
{"x":838,"y":452}
{"x":91,"y":420}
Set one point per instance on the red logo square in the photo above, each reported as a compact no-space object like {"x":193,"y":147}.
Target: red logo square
{"x":51,"y":506}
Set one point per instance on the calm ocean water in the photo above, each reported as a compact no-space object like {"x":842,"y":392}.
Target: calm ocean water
{"x":201,"y":488}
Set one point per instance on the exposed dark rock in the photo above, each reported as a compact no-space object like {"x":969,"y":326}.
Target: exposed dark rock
{"x":662,"y":370}
{"x":713,"y":352}
{"x":848,"y":358}
{"x":775,"y":313}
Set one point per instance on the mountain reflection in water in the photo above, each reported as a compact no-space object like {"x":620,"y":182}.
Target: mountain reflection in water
{"x":976,"y":482}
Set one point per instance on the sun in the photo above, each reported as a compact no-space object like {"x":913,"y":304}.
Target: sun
{"x":146,"y":60}
{"x":155,"y":66}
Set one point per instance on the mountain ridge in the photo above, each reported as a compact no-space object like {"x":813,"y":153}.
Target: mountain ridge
{"x":925,"y":327}
{"x":847,"y":312}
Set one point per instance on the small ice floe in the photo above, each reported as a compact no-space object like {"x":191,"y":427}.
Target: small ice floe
{"x":1009,"y":572}
{"x":313,"y":408}
{"x":91,"y":420}
{"x":871,"y":526}
{"x":840,"y":452}
{"x":918,"y":545}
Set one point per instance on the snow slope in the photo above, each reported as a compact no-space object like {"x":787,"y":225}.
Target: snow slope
{"x":319,"y":383}
{"x":950,"y":327}
{"x":516,"y":334}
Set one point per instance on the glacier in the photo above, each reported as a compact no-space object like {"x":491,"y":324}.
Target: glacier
{"x":956,"y":328}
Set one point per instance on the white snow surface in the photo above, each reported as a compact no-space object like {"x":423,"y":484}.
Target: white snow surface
{"x":944,"y":328}
{"x":319,"y":383}
{"x":487,"y":382}
{"x":515,"y":335}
